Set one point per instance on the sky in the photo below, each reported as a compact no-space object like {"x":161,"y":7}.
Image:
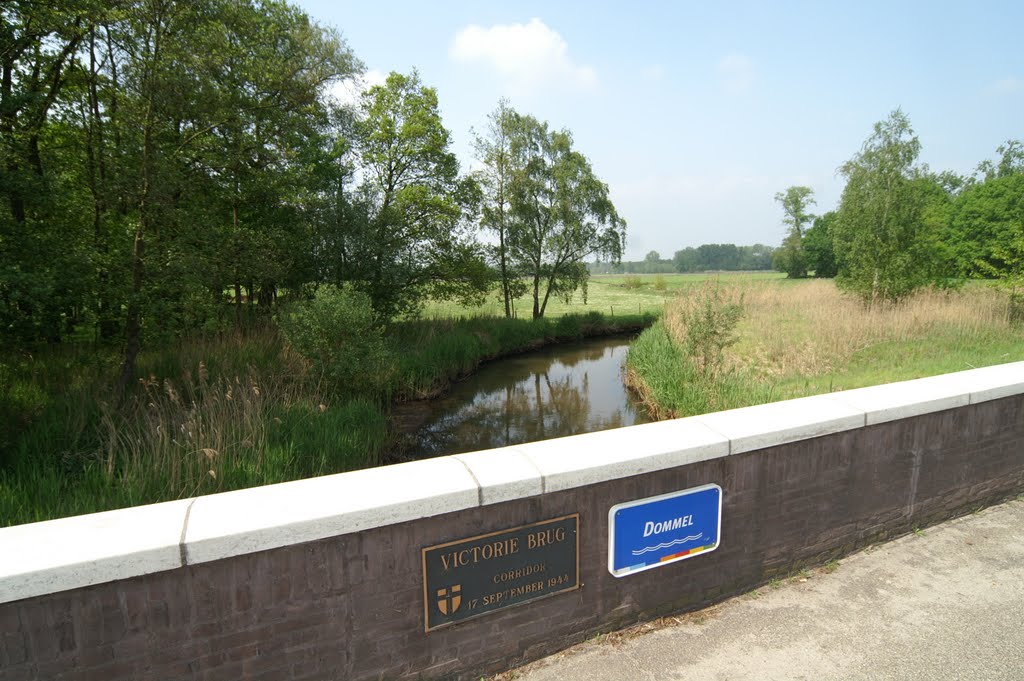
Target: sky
{"x":695,"y":113}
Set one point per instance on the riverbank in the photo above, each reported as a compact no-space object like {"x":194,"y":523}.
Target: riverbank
{"x":438,"y":352}
{"x":798,"y":338}
{"x":554,"y":391}
{"x":227,"y":411}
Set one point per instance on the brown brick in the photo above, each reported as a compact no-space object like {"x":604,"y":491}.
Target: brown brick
{"x":20,"y":673}
{"x":13,"y":647}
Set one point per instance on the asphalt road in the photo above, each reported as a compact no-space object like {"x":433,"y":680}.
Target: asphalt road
{"x":944,"y":603}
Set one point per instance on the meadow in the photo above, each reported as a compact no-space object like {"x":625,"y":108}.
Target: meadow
{"x":608,"y":294}
{"x":794,"y":338}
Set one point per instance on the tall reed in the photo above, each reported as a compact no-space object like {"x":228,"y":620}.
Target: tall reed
{"x":812,"y":328}
{"x":802,"y":338}
{"x":211,"y":415}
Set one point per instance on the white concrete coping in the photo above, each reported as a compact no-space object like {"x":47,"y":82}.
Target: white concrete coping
{"x":906,"y":399}
{"x":579,"y":460}
{"x":994,"y":382}
{"x":262,"y":518}
{"x":69,"y":553}
{"x":503,"y":474}
{"x":776,"y":423}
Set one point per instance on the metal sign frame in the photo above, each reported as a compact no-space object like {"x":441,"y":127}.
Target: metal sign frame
{"x":672,"y":558}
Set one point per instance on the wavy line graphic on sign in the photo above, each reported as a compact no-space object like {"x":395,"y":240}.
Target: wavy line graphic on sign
{"x":644,"y":550}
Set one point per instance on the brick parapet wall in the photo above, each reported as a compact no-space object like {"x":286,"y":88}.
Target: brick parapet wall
{"x":350,"y":606}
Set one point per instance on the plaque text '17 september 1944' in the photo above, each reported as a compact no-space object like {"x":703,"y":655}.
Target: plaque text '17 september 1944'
{"x":478,"y":575}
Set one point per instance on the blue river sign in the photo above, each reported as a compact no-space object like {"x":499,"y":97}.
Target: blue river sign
{"x":656,"y":531}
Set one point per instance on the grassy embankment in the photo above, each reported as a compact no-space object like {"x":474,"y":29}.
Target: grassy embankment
{"x":238,"y":410}
{"x":798,"y":338}
{"x":220,"y":413}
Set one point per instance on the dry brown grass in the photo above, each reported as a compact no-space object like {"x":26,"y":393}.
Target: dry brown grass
{"x":810,"y":328}
{"x":689,"y":305}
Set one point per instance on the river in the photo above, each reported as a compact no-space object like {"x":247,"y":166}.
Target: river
{"x":560,"y":390}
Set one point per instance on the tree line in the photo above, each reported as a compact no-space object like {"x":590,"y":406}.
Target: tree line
{"x":900,"y":226}
{"x":703,"y":258}
{"x":171,"y":167}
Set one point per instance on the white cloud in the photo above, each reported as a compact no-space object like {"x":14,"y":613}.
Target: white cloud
{"x":736,"y":73}
{"x":1008,"y":85}
{"x":529,"y":56}
{"x":346,"y":92}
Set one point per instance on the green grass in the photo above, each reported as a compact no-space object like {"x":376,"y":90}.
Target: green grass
{"x":224,"y":412}
{"x":800,"y":338}
{"x":888,"y":362}
{"x":208,"y":415}
{"x":671,"y":385}
{"x":607,"y":294}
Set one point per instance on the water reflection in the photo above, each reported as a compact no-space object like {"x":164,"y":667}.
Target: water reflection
{"x":564,"y":390}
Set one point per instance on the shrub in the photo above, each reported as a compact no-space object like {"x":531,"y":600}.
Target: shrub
{"x":341,"y":337}
{"x":632,"y":281}
{"x":659,"y":283}
{"x":705,"y":325}
{"x":1015,"y":309}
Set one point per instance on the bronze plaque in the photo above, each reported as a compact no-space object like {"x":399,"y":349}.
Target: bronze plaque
{"x":475,"y":576}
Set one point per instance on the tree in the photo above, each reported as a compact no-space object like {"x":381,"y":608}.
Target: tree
{"x":718,"y":257}
{"x":44,"y":277}
{"x":562,"y":213}
{"x":338,"y":332}
{"x":820,"y":254}
{"x":987,"y":235}
{"x":790,"y":258}
{"x":988,"y":217}
{"x":416,"y":238}
{"x":952,"y":183}
{"x":1011,"y":161}
{"x":154,"y":155}
{"x":127,"y":128}
{"x":193,"y":98}
{"x":723,"y":257}
{"x":685,"y":260}
{"x":988,"y":220}
{"x":884,"y":246}
{"x":496,"y":178}
{"x":653,"y":264}
{"x":756,"y":257}
{"x":260,"y":154}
